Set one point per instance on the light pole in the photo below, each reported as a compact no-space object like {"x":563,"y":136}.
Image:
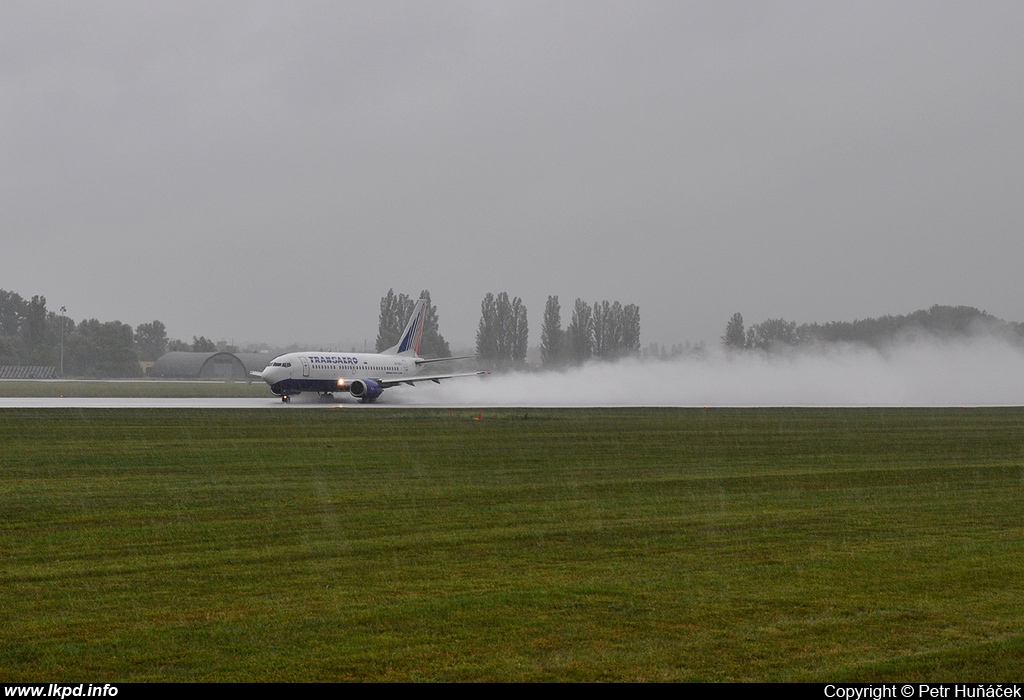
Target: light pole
{"x":63,"y":310}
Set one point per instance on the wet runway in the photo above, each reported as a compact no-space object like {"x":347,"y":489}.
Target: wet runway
{"x":110,"y":402}
{"x":311,"y":402}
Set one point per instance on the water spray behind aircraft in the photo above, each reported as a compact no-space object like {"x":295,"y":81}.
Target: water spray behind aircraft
{"x":976,"y":371}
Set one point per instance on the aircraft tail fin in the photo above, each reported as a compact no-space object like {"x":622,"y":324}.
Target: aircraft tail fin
{"x":412,"y":336}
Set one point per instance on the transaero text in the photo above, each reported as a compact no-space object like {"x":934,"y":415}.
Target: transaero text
{"x":333,"y":360}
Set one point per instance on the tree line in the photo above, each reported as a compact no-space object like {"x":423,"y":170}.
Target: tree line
{"x":938,"y":321}
{"x":31,"y":334}
{"x":606,"y":331}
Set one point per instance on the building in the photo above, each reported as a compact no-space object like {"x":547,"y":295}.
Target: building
{"x":209,"y":365}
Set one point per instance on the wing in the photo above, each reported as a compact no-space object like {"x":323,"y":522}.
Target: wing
{"x":436,"y":378}
{"x":421,"y":361}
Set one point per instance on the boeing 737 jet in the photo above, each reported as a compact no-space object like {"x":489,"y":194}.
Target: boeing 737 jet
{"x":364,"y":375}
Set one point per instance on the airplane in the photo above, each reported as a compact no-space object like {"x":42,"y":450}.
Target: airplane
{"x":364,"y":375}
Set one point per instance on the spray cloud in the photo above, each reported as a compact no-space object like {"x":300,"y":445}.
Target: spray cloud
{"x":974,"y":371}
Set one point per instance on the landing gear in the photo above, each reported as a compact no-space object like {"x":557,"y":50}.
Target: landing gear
{"x":326,"y":395}
{"x":285,"y":398}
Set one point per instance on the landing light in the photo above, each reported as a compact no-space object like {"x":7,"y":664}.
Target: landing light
{"x":341,"y":382}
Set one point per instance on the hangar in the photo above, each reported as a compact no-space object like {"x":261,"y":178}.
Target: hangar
{"x":209,"y":365}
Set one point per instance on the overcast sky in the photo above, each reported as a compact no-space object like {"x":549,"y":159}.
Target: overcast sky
{"x":266,"y":171}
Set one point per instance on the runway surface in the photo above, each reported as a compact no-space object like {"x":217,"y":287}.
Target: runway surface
{"x":312,"y":402}
{"x":110,"y":402}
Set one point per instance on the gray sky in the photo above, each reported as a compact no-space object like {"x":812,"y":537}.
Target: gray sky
{"x":263,"y":171}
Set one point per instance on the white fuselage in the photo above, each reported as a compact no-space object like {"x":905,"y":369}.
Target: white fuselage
{"x":319,"y":371}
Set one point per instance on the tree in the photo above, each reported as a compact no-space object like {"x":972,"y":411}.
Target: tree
{"x":35,"y":321}
{"x":630,"y":330}
{"x":202,"y":344}
{"x":519,"y":334}
{"x":13,"y":350}
{"x":771,"y":333}
{"x":40,"y":350}
{"x":551,"y":335}
{"x":487,"y":330}
{"x":97,"y":349}
{"x":505,"y":323}
{"x":394,"y":312}
{"x":580,"y":333}
{"x":12,"y":313}
{"x":434,"y":344}
{"x":602,"y":319}
{"x":502,"y":336}
{"x":734,"y":338}
{"x":150,"y":340}
{"x":608,"y":343}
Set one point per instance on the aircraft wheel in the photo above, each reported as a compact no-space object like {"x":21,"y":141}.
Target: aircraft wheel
{"x":285,"y":398}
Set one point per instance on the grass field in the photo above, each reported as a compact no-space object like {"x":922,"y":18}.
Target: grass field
{"x":601,"y":544}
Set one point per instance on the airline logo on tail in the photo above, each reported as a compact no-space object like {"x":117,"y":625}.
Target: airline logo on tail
{"x":412,"y":336}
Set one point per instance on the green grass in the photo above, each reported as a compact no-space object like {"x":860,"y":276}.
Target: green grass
{"x":132,"y":388}
{"x":605,"y":544}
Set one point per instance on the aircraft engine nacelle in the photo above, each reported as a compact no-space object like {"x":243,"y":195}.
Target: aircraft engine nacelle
{"x":366,"y":389}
